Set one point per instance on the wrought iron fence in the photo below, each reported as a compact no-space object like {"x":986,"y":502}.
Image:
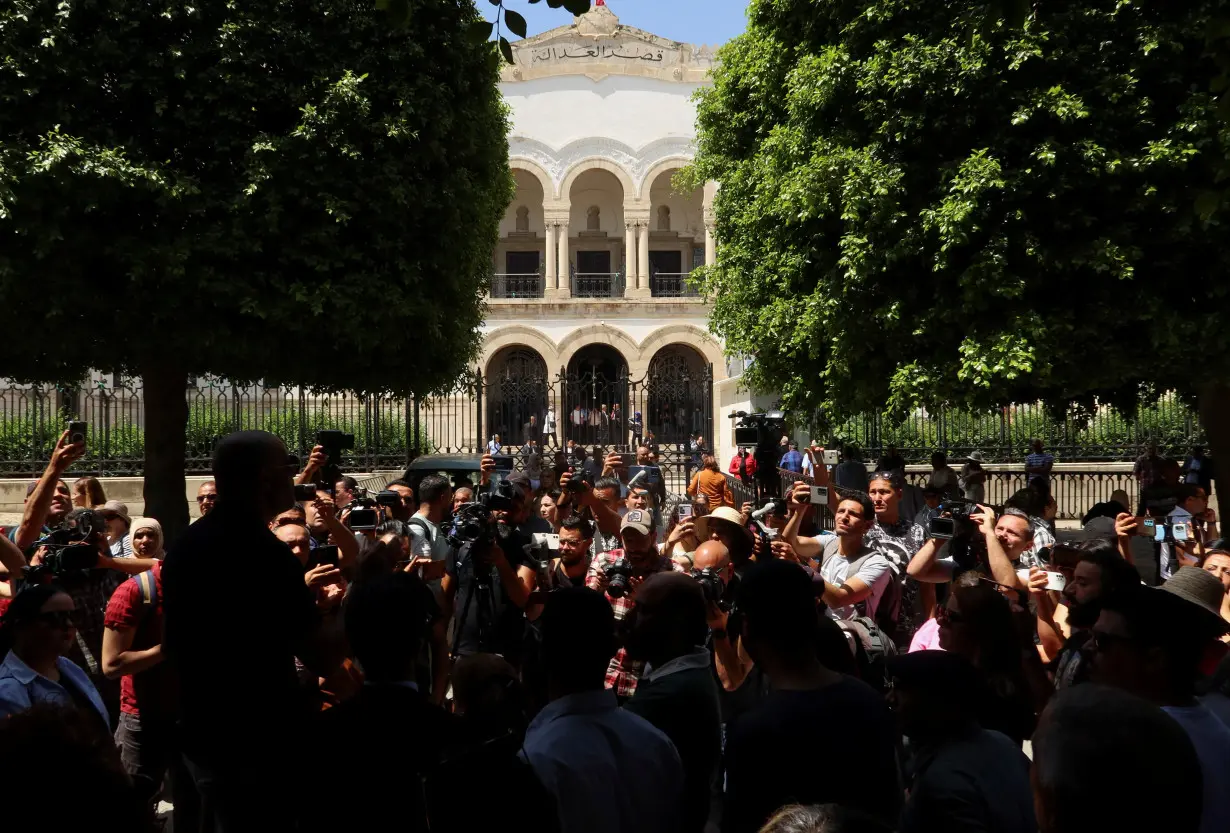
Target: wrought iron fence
{"x":671,"y":285}
{"x":597,"y":285}
{"x":509,"y":285}
{"x":1004,"y":435}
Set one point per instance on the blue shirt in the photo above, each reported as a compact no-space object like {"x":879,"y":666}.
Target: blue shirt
{"x":609,"y":770}
{"x":792,"y":461}
{"x":21,"y":687}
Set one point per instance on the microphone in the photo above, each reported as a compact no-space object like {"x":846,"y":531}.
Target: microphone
{"x":768,"y":508}
{"x":640,"y":475}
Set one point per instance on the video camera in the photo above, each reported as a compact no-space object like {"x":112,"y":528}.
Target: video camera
{"x":711,"y":584}
{"x":366,"y":511}
{"x":71,"y":548}
{"x":763,"y":433}
{"x":472,"y":522}
{"x":955,"y":524}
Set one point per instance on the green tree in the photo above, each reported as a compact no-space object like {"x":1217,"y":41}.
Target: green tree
{"x":288,"y":191}
{"x":921,"y":203}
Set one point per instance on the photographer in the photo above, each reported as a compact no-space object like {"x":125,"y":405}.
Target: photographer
{"x":47,"y":499}
{"x":89,"y":586}
{"x":324,"y":528}
{"x":855,"y":575}
{"x":490,"y":579}
{"x":1007,"y":539}
{"x":426,"y":536}
{"x":618,"y":574}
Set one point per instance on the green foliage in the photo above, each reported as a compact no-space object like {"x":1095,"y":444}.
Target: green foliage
{"x":1005,"y":434}
{"x":922,"y":204}
{"x":271,"y":190}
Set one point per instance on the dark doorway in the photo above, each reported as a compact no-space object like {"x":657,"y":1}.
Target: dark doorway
{"x":596,"y":397}
{"x":522,"y":263}
{"x":667,"y":263}
{"x":593,"y":278}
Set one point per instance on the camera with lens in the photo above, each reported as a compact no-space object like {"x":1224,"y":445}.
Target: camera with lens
{"x":579,"y":482}
{"x":955,"y":524}
{"x":71,"y":548}
{"x":762,"y":432}
{"x":472,"y":522}
{"x":619,"y":578}
{"x":711,"y":584}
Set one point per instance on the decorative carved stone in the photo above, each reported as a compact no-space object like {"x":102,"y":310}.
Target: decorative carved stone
{"x":637,"y":163}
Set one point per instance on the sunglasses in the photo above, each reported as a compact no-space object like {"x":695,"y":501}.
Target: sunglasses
{"x":62,"y":619}
{"x":203,"y":498}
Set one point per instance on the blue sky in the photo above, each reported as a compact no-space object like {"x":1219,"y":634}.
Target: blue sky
{"x":691,"y":21}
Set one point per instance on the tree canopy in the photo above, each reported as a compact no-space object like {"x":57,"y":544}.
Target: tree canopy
{"x":922,"y":203}
{"x":289,"y":191}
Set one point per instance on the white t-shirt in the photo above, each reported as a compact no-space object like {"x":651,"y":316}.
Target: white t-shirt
{"x":835,"y":568}
{"x":1212,"y":741}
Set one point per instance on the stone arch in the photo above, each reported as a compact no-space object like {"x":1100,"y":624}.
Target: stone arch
{"x":539,"y":173}
{"x":670,"y":163}
{"x":518,"y":393}
{"x":596,"y":163}
{"x":688,"y":335}
{"x":601,"y":334}
{"x":519,"y":334}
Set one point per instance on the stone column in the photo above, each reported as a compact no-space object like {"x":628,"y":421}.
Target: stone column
{"x":642,"y":259}
{"x":564,"y":284}
{"x":629,"y":258}
{"x":551,"y":282}
{"x":710,"y":246}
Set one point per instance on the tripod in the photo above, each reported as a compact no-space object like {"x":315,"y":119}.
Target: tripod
{"x":480,"y":588}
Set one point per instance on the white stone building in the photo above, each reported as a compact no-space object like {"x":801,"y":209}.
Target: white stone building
{"x":589,"y":305}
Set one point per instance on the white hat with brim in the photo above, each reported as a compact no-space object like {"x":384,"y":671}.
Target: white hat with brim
{"x":722,"y":513}
{"x":114,"y":507}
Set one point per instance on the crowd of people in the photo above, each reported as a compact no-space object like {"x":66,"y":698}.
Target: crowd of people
{"x":595,"y":654}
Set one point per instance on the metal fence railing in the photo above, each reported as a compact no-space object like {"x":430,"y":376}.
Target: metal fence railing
{"x":1004,"y":434}
{"x":528,"y":285}
{"x":671,"y":285}
{"x":597,"y":285}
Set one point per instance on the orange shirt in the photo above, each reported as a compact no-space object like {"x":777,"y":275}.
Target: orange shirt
{"x":712,"y":485}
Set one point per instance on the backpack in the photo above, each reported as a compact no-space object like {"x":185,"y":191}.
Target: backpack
{"x":888,"y":611}
{"x":149,"y":589}
{"x":872,"y":648}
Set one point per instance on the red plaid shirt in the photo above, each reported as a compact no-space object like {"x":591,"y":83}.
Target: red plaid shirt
{"x":623,"y":673}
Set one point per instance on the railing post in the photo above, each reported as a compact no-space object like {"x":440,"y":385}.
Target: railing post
{"x":478,"y":408}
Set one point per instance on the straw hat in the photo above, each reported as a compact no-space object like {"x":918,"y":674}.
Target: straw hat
{"x":722,"y":513}
{"x":1194,"y":585}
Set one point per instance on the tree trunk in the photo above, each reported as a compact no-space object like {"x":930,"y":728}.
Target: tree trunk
{"x":1214,"y":404}
{"x":166,"y":422}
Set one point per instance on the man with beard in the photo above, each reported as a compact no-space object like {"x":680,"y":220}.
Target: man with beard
{"x":1099,"y":572}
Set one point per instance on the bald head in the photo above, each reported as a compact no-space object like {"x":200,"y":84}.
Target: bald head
{"x":711,"y":554}
{"x":251,"y":472}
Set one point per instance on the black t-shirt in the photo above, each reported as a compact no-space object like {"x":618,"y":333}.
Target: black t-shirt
{"x":236,"y":612}
{"x":834,"y":744}
{"x":487,"y":622}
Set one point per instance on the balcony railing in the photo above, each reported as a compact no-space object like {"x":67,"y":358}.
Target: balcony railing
{"x":522,"y":285}
{"x":597,"y":285}
{"x":671,"y":285}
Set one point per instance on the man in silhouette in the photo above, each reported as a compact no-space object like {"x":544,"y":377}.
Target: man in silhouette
{"x":242,"y":713}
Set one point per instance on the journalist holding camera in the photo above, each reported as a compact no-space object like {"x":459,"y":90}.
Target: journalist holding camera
{"x":71,"y":549}
{"x":976,"y":540}
{"x":489,"y":579}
